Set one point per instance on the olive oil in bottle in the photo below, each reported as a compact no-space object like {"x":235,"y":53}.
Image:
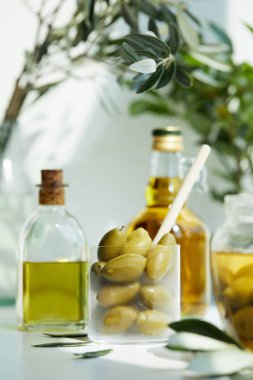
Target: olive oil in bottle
{"x":191,"y":233}
{"x":53,"y":264}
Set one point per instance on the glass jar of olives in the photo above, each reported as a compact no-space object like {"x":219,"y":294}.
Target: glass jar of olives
{"x":232,"y":267}
{"x":135,"y":287}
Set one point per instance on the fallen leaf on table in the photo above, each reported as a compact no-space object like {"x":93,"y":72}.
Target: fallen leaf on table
{"x":93,"y":354}
{"x":192,"y":342}
{"x":219,"y":363}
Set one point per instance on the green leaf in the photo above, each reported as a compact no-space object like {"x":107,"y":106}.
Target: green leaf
{"x":219,"y":363}
{"x":144,"y":66}
{"x":151,"y":81}
{"x":220,"y":33}
{"x":129,"y":53}
{"x":91,"y":8}
{"x":146,"y":53}
{"x":217,"y":65}
{"x":205,"y":78}
{"x":183,"y":78}
{"x":61,"y":344}
{"x":212,"y":49}
{"x":194,"y":19}
{"x":139,"y":107}
{"x":249,"y":27}
{"x":129,"y":16}
{"x":189,"y":34}
{"x":147,"y":8}
{"x":66,"y":335}
{"x":142,"y":42}
{"x":198,"y":326}
{"x":174,"y":38}
{"x":185,"y":341}
{"x":93,"y":354}
{"x":153,"y":27}
{"x":167,"y":76}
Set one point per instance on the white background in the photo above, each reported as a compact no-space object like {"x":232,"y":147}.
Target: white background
{"x":105,"y":157}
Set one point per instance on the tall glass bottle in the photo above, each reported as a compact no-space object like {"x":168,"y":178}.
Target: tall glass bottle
{"x":53,"y":263}
{"x":190,"y":232}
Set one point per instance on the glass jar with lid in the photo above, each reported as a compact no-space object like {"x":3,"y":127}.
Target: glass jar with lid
{"x":232,"y":267}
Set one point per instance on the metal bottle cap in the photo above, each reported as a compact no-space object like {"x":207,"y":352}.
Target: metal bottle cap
{"x":168,"y":139}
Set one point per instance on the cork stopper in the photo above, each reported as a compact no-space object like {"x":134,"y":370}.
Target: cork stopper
{"x":52,"y":188}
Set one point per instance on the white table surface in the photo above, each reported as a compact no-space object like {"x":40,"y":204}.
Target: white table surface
{"x":20,"y":361}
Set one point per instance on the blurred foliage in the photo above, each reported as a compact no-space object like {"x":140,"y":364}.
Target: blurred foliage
{"x":164,"y":54}
{"x":94,"y":31}
{"x":218,"y":107}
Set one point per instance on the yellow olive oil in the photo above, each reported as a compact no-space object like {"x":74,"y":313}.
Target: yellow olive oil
{"x":232,"y":274}
{"x":190,"y":234}
{"x":55,"y":294}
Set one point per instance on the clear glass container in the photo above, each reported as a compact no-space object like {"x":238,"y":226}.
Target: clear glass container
{"x":232,"y":267}
{"x":132,"y":298}
{"x":16,"y":204}
{"x":53,"y":268}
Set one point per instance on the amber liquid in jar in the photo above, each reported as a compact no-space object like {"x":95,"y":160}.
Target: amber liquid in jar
{"x":232,"y":274}
{"x":190,"y":234}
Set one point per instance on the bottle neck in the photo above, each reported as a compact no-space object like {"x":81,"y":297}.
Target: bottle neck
{"x":49,"y":208}
{"x":164,"y":181}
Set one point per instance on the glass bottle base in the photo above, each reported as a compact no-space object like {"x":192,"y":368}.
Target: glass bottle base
{"x":54,"y":327}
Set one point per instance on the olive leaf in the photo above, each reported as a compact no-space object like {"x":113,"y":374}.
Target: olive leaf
{"x":194,"y":19}
{"x":61,"y":344}
{"x":185,"y":341}
{"x":141,"y":41}
{"x":146,"y":53}
{"x":212,"y":49}
{"x":221,"y":34}
{"x":145,"y":105}
{"x":189,"y":34}
{"x":153,"y":27}
{"x":167,"y":76}
{"x":183,"y":78}
{"x":205,"y":78}
{"x":174,"y":38}
{"x":93,"y":354}
{"x":67,"y":335}
{"x":145,"y":66}
{"x":129,"y":53}
{"x":198,"y":326}
{"x":129,"y":17}
{"x":215,"y":64}
{"x":219,"y":363}
{"x":151,"y":81}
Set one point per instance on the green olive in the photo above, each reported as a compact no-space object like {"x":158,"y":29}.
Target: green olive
{"x":97,"y":267}
{"x":155,"y":297}
{"x":113,"y":295}
{"x":139,"y":245}
{"x":111,"y":244}
{"x":139,"y":233}
{"x":118,"y":319}
{"x":152,"y":322}
{"x":125,"y":268}
{"x":243,"y":322}
{"x":240,"y":292}
{"x":158,"y":262}
{"x":245,"y":271}
{"x":168,"y":240}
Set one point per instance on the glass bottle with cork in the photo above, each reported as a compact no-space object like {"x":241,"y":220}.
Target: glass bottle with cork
{"x":52,"y":263}
{"x":190,"y":232}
